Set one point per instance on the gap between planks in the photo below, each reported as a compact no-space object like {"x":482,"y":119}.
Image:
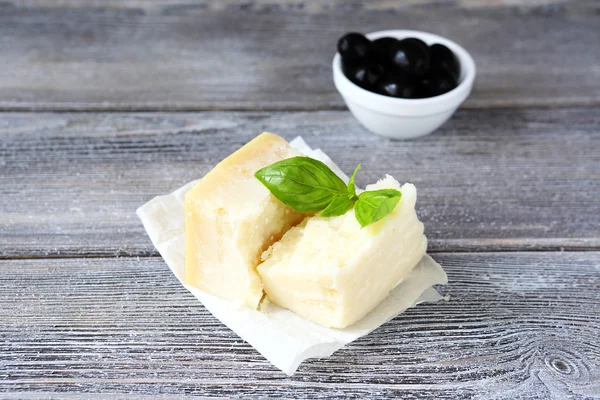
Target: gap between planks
{"x":93,"y":108}
{"x":112,"y":255}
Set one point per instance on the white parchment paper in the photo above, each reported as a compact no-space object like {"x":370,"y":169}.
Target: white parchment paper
{"x":282,"y":337}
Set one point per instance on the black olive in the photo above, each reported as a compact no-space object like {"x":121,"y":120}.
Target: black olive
{"x":354,"y":48}
{"x":417,"y":42}
{"x":390,"y":87}
{"x":366,"y":76}
{"x":410,"y":56}
{"x":358,"y":75}
{"x":443,"y":57}
{"x":381,"y":48}
{"x":423,"y":89}
{"x":410,"y":90}
{"x":398,"y":85}
{"x":438,"y":81}
{"x":375,"y":73}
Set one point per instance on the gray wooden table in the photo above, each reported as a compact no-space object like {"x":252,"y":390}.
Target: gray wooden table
{"x":105,"y":104}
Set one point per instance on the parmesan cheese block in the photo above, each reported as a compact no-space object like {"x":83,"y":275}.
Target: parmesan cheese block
{"x":231,"y":218}
{"x":333,"y":272}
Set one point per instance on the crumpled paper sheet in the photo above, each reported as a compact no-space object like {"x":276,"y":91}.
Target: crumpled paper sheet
{"x":282,"y":337}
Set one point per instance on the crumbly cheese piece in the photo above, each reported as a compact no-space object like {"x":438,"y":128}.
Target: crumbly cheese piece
{"x":231,"y":218}
{"x":332,"y":272}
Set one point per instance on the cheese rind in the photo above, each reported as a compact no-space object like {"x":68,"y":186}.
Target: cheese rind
{"x":333,"y":272}
{"x":231,"y":218}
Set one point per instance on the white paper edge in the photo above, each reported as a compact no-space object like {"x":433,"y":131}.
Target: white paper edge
{"x":281,"y":336}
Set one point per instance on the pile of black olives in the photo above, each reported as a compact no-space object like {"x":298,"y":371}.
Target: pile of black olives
{"x":406,"y":68}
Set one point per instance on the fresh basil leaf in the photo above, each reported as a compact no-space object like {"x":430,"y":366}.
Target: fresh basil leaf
{"x":303,"y":183}
{"x":351,"y":187}
{"x":372,"y":206}
{"x":339,"y":206}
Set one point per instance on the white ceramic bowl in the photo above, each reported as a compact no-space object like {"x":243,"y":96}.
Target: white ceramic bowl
{"x":405,"y":118}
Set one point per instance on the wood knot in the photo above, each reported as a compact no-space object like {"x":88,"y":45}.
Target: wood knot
{"x":566,"y":371}
{"x":570,"y":365}
{"x":561,"y":365}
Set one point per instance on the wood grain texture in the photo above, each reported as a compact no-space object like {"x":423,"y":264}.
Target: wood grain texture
{"x":518,"y":325}
{"x":234,"y":55}
{"x":522,"y":179}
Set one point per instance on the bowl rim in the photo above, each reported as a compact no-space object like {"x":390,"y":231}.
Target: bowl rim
{"x":398,"y":106}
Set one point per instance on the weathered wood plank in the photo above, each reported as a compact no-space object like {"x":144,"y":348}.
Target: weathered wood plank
{"x":517,"y":325}
{"x":185,"y":55}
{"x":496,"y":179}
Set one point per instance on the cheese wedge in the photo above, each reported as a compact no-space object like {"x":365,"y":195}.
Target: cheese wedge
{"x":333,"y":272}
{"x":231,"y":218}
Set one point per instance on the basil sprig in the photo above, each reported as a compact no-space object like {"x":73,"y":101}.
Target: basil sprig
{"x":308,"y":185}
